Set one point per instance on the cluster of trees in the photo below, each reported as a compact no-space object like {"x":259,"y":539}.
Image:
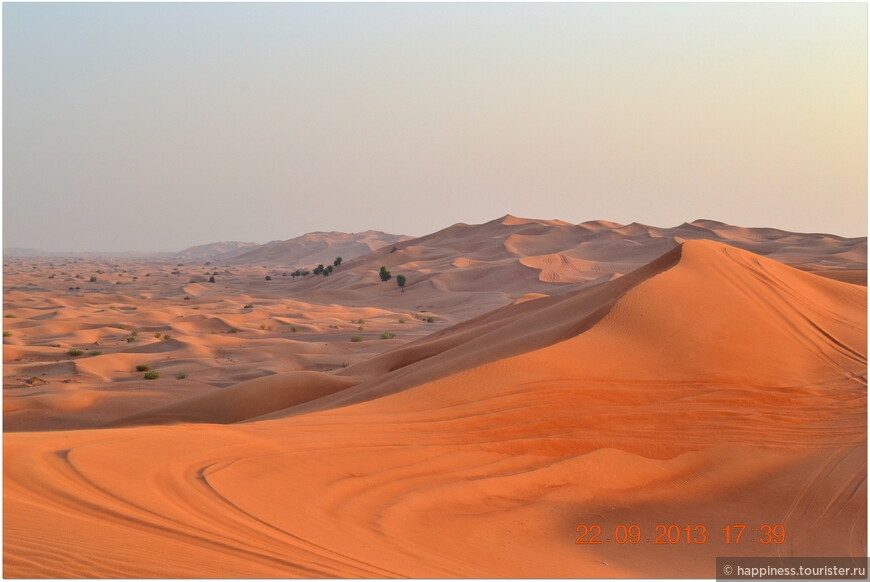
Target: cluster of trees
{"x":319,"y":270}
{"x":385,"y":276}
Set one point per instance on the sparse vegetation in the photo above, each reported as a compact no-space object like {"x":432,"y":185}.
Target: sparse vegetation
{"x":152,"y":375}
{"x":131,"y":339}
{"x":142,"y":368}
{"x":401,"y":320}
{"x":157,"y":335}
{"x":166,"y":337}
{"x":234,"y":330}
{"x":387,"y":335}
{"x":74,"y":352}
{"x":7,"y":334}
{"x":294,"y":329}
{"x":180,"y":376}
{"x":9,"y":316}
{"x":356,"y":338}
{"x":384,"y":274}
{"x":95,"y":353}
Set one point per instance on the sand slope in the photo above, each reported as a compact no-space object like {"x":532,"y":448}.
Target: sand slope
{"x":710,"y":386}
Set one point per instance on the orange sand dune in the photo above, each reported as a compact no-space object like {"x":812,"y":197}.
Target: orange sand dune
{"x":710,"y":386}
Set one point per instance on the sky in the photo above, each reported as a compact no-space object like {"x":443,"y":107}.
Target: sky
{"x":157,"y":126}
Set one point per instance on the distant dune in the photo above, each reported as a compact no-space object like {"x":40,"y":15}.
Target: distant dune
{"x":216,"y":251}
{"x":315,"y":248}
{"x":533,"y":378}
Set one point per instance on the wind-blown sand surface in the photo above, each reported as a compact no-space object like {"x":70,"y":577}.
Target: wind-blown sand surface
{"x":706,"y":386}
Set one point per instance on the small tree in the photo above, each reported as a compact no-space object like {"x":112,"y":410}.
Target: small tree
{"x":337,"y":261}
{"x":268,"y":277}
{"x":318,"y":269}
{"x":384,"y":274}
{"x":211,"y":279}
{"x":400,"y":281}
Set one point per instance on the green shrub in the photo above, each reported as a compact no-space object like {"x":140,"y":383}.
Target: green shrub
{"x":268,"y":277}
{"x":401,"y":320}
{"x":387,"y":335}
{"x":384,"y":274}
{"x":180,"y":376}
{"x":356,"y":338}
{"x":74,"y":352}
{"x":166,"y":336}
{"x":131,"y":339}
{"x":7,"y":334}
{"x":152,"y":375}
{"x":157,"y":335}
{"x":9,"y":315}
{"x":134,"y":333}
{"x":211,"y":279}
{"x":95,"y":353}
{"x":142,"y":368}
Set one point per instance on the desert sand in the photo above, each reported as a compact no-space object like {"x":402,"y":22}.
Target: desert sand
{"x":540,"y":376}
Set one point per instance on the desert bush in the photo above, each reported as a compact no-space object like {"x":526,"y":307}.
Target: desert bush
{"x":337,"y":261}
{"x":234,"y":330}
{"x":131,"y":339}
{"x":157,"y":334}
{"x":248,"y":306}
{"x":152,"y":375}
{"x":95,"y":353}
{"x":195,"y":307}
{"x":356,"y":338}
{"x":187,"y":297}
{"x":7,"y":334}
{"x":74,"y":352}
{"x":294,"y":329}
{"x":268,"y":277}
{"x":387,"y":335}
{"x":134,"y":332}
{"x":430,"y":320}
{"x":166,"y":337}
{"x":384,"y":274}
{"x":360,"y":328}
{"x":211,"y":279}
{"x":142,"y":368}
{"x":401,"y":320}
{"x":180,"y":376}
{"x":93,"y":279}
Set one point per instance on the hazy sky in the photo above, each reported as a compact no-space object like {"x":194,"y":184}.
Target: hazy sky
{"x":159,"y":126}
